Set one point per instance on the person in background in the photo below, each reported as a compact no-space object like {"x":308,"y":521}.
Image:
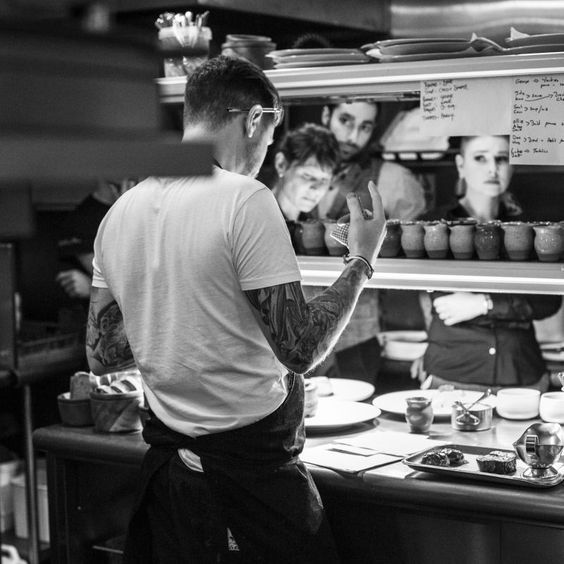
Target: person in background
{"x":478,"y":340}
{"x":78,"y":233}
{"x":212,"y":313}
{"x":358,"y":351}
{"x":305,"y":160}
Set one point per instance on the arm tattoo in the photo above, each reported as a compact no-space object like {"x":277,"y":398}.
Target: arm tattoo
{"x":106,"y":341}
{"x":302,"y":333}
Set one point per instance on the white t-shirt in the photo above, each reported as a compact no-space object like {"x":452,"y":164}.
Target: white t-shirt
{"x":177,"y":255}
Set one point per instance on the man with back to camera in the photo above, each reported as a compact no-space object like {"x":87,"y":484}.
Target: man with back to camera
{"x":212,"y":313}
{"x":357,"y":353}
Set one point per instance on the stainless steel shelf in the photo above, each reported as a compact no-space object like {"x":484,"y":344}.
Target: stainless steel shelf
{"x":389,"y":81}
{"x":447,"y":275}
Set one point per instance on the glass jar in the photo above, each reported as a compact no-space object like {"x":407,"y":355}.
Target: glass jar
{"x":419,"y":414}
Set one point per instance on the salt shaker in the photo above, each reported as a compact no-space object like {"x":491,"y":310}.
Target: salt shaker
{"x":419,"y":414}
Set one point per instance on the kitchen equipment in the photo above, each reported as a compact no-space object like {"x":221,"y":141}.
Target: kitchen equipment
{"x":403,"y":345}
{"x":518,"y":238}
{"x":311,"y":400}
{"x":518,"y":403}
{"x":551,"y":407}
{"x":74,"y":412}
{"x":473,"y":418}
{"x":116,"y":413}
{"x":419,"y":414}
{"x":394,"y":402}
{"x":254,"y":48}
{"x":470,"y":469}
{"x":487,"y":240}
{"x":540,"y":447}
{"x":333,"y":415}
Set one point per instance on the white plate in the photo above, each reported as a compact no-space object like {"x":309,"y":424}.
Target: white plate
{"x":351,"y":390}
{"x":321,"y":58}
{"x":403,"y":345}
{"x":394,"y":402}
{"x":320,"y":51}
{"x":377,"y":54}
{"x":426,"y":47}
{"x":333,"y":414}
{"x":539,"y":39}
{"x":326,"y":63}
{"x":552,"y":356}
{"x":416,"y":40}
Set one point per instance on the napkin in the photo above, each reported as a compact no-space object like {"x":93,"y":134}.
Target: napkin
{"x":346,"y":458}
{"x":366,"y":451}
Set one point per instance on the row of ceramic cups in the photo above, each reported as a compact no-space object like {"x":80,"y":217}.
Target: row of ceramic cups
{"x":464,"y":239}
{"x":527,"y":403}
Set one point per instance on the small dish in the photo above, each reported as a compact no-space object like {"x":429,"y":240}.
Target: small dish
{"x":74,"y":412}
{"x":518,"y":403}
{"x":551,"y":407}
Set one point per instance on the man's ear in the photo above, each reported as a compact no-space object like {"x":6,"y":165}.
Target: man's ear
{"x":325,"y":116}
{"x":253,"y":120}
{"x":280,"y":164}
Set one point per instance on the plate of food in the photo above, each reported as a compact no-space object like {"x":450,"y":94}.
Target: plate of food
{"x":334,"y":414}
{"x":479,"y":463}
{"x":442,"y":401}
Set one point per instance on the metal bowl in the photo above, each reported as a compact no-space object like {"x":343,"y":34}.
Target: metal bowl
{"x":479,"y":418}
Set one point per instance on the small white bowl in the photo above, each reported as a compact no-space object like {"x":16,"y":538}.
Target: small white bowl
{"x":552,"y":407}
{"x":518,"y":403}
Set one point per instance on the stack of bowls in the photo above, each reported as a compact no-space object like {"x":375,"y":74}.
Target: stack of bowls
{"x":254,"y":48}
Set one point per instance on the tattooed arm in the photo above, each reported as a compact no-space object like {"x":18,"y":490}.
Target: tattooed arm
{"x":107,"y":347}
{"x":302,"y":333}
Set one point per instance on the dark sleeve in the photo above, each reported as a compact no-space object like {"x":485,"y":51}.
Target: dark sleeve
{"x":523,"y":307}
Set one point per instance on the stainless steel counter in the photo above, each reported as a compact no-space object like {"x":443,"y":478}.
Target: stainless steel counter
{"x":387,"y":514}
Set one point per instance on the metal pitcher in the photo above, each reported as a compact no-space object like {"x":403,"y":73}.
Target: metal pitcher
{"x":539,"y":447}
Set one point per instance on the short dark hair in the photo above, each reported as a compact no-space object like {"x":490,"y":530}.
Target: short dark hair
{"x":375,"y":103}
{"x":225,"y":82}
{"x":310,"y":140}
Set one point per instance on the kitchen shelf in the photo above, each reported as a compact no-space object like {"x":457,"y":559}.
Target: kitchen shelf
{"x":447,"y":275}
{"x":386,"y":81}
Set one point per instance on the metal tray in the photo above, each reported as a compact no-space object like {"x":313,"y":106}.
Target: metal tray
{"x":471,"y":470}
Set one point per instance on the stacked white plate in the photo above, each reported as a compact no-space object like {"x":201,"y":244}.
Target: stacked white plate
{"x":319,"y":57}
{"x":520,"y":43}
{"x":419,"y":49}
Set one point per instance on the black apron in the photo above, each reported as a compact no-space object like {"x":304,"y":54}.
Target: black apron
{"x":255,"y":501}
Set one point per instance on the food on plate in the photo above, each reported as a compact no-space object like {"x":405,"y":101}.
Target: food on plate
{"x":444,"y":457}
{"x":455,"y":456}
{"x":497,"y":462}
{"x":436,"y":458}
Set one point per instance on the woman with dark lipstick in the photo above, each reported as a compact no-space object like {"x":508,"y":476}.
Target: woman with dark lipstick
{"x":477,"y":340}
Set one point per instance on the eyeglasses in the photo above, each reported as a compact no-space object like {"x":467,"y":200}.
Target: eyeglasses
{"x":278,"y":113}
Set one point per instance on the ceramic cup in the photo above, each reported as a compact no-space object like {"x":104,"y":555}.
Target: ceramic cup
{"x":311,"y":400}
{"x":419,"y":414}
{"x":391,"y":245}
{"x":518,"y":237}
{"x":487,"y":240}
{"x":310,"y":237}
{"x":461,"y":239}
{"x":551,"y":407}
{"x":412,"y":236}
{"x":436,"y":239}
{"x":548,"y":241}
{"x":518,"y":403}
